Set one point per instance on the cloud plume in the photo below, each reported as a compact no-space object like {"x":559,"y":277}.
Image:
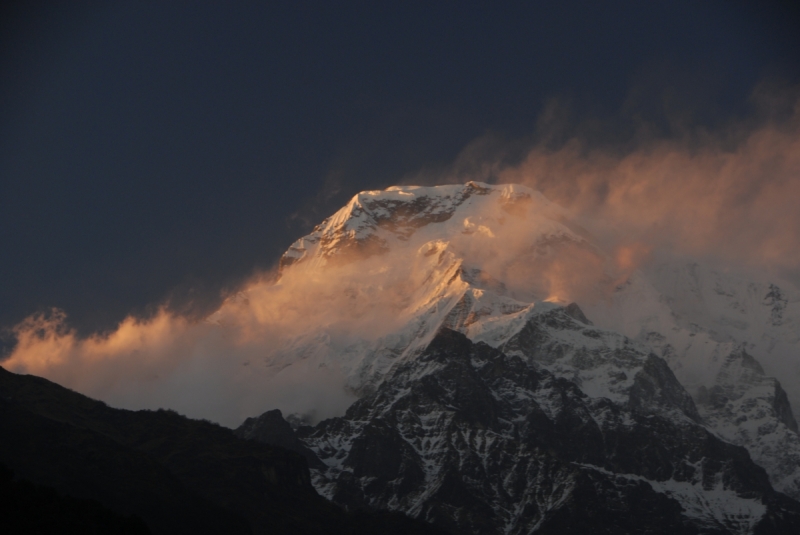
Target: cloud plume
{"x":732,"y":199}
{"x":233,"y":364}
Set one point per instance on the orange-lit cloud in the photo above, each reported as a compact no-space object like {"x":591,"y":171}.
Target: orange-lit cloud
{"x":232,"y":365}
{"x":733,"y":202}
{"x":167,"y":361}
{"x":737,"y":203}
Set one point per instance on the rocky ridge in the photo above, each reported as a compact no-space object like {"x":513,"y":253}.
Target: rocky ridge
{"x":718,"y":333}
{"x":477,"y":441}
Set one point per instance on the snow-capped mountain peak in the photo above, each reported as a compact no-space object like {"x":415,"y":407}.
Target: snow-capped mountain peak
{"x":372,"y":285}
{"x":373,"y":222}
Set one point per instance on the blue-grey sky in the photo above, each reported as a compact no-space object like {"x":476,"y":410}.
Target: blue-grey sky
{"x":163,"y":151}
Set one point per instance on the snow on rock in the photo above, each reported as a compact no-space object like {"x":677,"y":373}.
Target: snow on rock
{"x":712,"y":507}
{"x":716,"y":330}
{"x":748,"y":408}
{"x":477,"y":441}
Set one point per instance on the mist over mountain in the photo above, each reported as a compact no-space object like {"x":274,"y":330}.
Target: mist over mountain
{"x":482,"y":268}
{"x":637,"y":347}
{"x":368,"y":271}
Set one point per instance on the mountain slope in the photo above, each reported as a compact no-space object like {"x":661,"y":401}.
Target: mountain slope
{"x":179,"y":475}
{"x":720,"y":333}
{"x":26,"y":508}
{"x":476,"y":441}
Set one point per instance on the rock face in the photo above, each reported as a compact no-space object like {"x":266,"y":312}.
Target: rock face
{"x":270,"y":428}
{"x":723,"y":337}
{"x":747,"y":408}
{"x":477,"y":441}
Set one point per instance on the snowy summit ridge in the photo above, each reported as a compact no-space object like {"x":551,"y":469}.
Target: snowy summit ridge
{"x":374,"y":220}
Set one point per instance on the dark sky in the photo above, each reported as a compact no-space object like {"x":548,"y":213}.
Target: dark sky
{"x":154,"y":151}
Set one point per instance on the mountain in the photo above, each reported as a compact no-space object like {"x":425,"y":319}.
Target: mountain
{"x":723,"y":336}
{"x":27,"y":508}
{"x":664,"y":375}
{"x":177,"y":475}
{"x":476,"y":441}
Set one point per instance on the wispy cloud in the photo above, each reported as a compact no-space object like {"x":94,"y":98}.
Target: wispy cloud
{"x":730,"y":196}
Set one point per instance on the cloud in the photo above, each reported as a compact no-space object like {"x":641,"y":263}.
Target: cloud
{"x":233,"y":364}
{"x":730,"y":197}
{"x":168,"y":361}
{"x":292,"y":341}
